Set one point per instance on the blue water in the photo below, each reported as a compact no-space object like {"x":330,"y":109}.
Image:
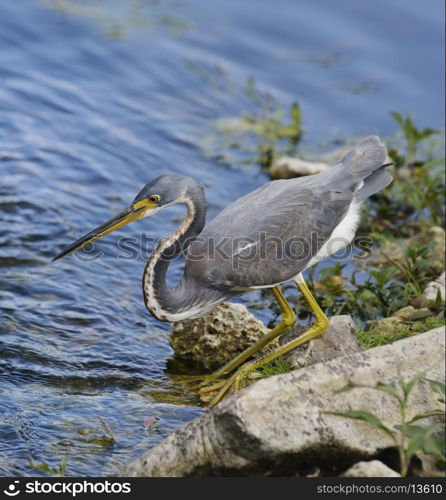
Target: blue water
{"x":97,"y":98}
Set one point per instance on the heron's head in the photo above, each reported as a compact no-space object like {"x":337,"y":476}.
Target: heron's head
{"x":163,"y":191}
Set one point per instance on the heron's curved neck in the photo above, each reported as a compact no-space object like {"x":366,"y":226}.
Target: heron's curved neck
{"x":163,"y":302}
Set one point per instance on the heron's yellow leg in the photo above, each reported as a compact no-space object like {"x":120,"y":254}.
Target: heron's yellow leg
{"x":288,"y":320}
{"x":318,"y":328}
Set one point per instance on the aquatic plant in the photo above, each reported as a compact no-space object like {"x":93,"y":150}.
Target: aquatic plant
{"x":58,"y":471}
{"x":270,"y":127}
{"x":412,"y":135}
{"x":260,"y":134}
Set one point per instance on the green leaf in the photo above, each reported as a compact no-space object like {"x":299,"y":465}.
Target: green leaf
{"x":416,"y":443}
{"x":287,"y":131}
{"x":434,"y":445}
{"x":62,"y":467}
{"x":296,"y":116}
{"x":411,"y":130}
{"x":410,"y":430}
{"x":408,"y":386}
{"x":398,"y":118}
{"x":421,"y":416}
{"x":427,"y":132}
{"x":365,"y":416}
{"x":44,"y":467}
{"x":347,"y":387}
{"x":438,"y":387}
{"x":424,"y":439}
{"x":390,"y":390}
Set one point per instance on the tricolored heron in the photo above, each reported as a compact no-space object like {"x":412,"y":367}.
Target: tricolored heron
{"x":264,"y":239}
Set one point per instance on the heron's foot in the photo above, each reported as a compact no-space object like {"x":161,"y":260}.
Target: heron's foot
{"x":209,"y":386}
{"x":208,"y":392}
{"x":209,"y":381}
{"x":231,"y":385}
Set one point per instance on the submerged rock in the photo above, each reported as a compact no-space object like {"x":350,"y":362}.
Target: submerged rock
{"x":288,"y":167}
{"x":284,"y":425}
{"x":435,"y":288}
{"x":218,"y":337}
{"x":373,"y":468}
{"x":338,"y":340}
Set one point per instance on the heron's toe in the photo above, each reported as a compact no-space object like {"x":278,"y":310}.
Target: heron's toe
{"x":233,"y":383}
{"x":210,"y":388}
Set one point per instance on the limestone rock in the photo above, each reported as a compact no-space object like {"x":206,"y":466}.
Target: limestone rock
{"x":409,"y":313}
{"x":399,"y":322}
{"x":435,"y":287}
{"x":284,"y":425}
{"x":218,"y":337}
{"x":373,"y":468}
{"x":288,"y":167}
{"x":338,"y":340}
{"x":389,"y":327}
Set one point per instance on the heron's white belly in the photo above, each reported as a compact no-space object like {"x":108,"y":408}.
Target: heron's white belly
{"x":341,"y":237}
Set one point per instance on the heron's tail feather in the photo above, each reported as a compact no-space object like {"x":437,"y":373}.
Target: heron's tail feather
{"x":361,"y":170}
{"x":369,"y":155}
{"x":376,"y":181}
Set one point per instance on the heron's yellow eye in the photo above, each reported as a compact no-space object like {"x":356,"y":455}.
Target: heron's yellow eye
{"x":154,"y":198}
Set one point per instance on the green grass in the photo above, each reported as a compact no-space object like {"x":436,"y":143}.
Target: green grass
{"x":369,"y":339}
{"x":276,"y":367}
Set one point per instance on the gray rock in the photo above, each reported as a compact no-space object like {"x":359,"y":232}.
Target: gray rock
{"x":374,"y":468}
{"x":435,"y":287}
{"x":388,"y":327}
{"x":409,"y":313}
{"x":400,"y":321}
{"x":282,"y":425}
{"x":288,"y":167}
{"x":218,"y":337}
{"x":338,"y":340}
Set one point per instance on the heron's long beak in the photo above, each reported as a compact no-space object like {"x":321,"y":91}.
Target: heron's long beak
{"x":134,"y":212}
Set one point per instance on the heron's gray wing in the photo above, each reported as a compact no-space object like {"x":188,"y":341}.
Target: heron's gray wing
{"x":271,"y":234}
{"x":268,"y":236}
